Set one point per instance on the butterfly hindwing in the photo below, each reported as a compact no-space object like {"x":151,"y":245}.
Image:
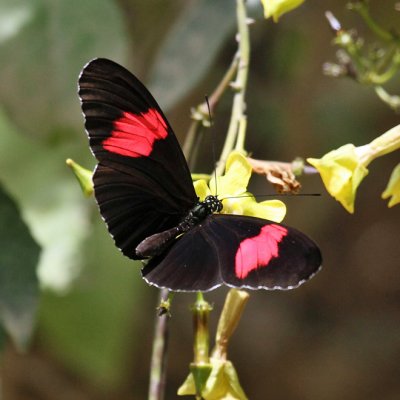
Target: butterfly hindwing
{"x":238,"y":251}
{"x":142,"y":182}
{"x":190,"y":264}
{"x":263,"y":254}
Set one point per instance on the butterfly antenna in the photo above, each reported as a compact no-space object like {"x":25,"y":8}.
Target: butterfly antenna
{"x":213,"y":145}
{"x":272,"y":195}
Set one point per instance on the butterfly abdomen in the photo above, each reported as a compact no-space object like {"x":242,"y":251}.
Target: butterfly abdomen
{"x":157,"y":243}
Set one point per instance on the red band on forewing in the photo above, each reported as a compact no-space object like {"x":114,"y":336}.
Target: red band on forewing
{"x":134,"y":134}
{"x":258,"y":251}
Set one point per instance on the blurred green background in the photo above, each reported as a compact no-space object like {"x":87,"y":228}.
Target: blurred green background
{"x":337,"y":337}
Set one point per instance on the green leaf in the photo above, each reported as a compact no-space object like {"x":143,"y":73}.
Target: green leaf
{"x":43,"y":46}
{"x":50,"y":199}
{"x":19,"y":288}
{"x":190,"y":48}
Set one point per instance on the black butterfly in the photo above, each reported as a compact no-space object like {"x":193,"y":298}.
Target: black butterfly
{"x":145,"y":194}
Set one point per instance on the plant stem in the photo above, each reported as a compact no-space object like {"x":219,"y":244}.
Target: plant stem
{"x":230,"y":316}
{"x":201,"y":311}
{"x":191,"y":135}
{"x":200,"y":367}
{"x":362,"y":9}
{"x":241,"y":134}
{"x":200,"y":113}
{"x":224,"y":84}
{"x":159,"y":354}
{"x":392,"y":100}
{"x":384,"y":144}
{"x":239,"y":105}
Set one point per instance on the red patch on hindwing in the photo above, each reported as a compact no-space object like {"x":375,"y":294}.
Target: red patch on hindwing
{"x":258,"y":251}
{"x":134,"y":134}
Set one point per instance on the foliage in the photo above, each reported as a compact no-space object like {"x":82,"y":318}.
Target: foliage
{"x":19,"y":289}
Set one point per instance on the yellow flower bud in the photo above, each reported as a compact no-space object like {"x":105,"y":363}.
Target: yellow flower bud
{"x":276,"y":8}
{"x":83,"y":175}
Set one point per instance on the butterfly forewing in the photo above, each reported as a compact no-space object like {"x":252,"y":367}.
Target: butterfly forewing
{"x":142,"y":183}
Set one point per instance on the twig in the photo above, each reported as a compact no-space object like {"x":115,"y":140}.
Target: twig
{"x":238,"y":117}
{"x":362,"y":9}
{"x":159,"y":353}
{"x":200,"y":113}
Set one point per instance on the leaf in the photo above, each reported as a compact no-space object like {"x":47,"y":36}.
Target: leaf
{"x":43,"y":46}
{"x":190,"y":48}
{"x":50,"y":200}
{"x":19,"y":288}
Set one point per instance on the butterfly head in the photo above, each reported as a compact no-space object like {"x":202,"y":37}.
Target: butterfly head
{"x":213,"y":204}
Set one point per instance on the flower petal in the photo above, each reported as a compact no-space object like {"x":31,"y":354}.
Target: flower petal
{"x":342,"y":172}
{"x":223,"y":383}
{"x":273,"y":210}
{"x":393,"y":187}
{"x":201,"y":188}
{"x":276,"y":8}
{"x":237,"y":175}
{"x":188,"y":387}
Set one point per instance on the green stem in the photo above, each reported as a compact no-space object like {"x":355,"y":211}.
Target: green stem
{"x":224,"y":84}
{"x":392,"y":100}
{"x":191,"y":135}
{"x":380,"y":78}
{"x":201,"y":367}
{"x":239,"y":105}
{"x":241,"y":134}
{"x":201,"y":114}
{"x":362,"y":9}
{"x":159,"y":354}
{"x":201,"y":311}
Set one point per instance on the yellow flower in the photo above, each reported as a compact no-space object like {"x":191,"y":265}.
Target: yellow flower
{"x":222,"y":383}
{"x":276,"y":8}
{"x":342,"y":172}
{"x":393,"y":188}
{"x":231,"y":188}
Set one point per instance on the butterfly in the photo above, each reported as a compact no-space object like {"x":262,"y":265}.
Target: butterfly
{"x":145,"y":194}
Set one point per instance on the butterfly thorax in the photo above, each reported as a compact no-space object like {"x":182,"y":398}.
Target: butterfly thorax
{"x":200,"y":211}
{"x":157,"y":243}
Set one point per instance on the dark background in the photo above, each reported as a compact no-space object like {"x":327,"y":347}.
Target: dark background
{"x":337,"y":337}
